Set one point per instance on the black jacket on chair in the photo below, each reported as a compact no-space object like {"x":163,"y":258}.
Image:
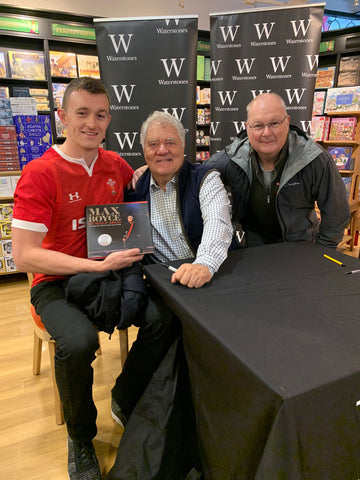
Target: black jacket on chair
{"x":111,"y":299}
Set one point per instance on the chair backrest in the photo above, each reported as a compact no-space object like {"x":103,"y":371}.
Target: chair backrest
{"x":30,"y":277}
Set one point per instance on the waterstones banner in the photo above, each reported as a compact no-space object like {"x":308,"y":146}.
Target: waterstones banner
{"x":258,"y":51}
{"x":147,"y":64}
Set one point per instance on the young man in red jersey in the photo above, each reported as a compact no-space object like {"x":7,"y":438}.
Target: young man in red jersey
{"x":49,"y":237}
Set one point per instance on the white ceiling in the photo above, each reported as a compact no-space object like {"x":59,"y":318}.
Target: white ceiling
{"x":139,"y":8}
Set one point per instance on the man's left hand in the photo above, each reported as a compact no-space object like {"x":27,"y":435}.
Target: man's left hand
{"x":192,"y":275}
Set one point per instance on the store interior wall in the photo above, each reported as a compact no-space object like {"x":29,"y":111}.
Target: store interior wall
{"x":139,"y":8}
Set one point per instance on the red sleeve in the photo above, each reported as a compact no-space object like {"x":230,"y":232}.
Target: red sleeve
{"x":35,"y":195}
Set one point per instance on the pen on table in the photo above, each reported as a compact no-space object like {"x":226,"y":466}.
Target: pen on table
{"x":352,"y":271}
{"x":169,"y":267}
{"x":334,"y":260}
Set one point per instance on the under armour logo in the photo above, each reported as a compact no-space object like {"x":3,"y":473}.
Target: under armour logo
{"x":74,"y":196}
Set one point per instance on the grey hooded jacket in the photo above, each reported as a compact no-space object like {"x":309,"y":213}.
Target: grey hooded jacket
{"x":310,"y":175}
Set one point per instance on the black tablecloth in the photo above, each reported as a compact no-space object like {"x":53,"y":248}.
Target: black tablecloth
{"x":273,"y":349}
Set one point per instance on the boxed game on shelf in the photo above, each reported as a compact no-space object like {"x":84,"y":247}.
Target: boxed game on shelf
{"x":319,"y":102}
{"x":202,"y":156}
{"x":203,"y":116}
{"x":58,"y":93}
{"x":342,"y":128}
{"x":60,"y":127}
{"x":342,"y":157}
{"x":202,"y":140}
{"x":88,"y":66}
{"x":325,"y":77}
{"x":320,"y":128}
{"x":23,"y":106}
{"x":343,"y":99}
{"x":62,"y":64}
{"x":41,"y":96}
{"x":3,"y":71}
{"x":347,"y":183}
{"x":9,"y":156}
{"x":349,"y":71}
{"x":200,"y":67}
{"x":33,"y":136}
{"x":6,"y":114}
{"x":202,"y":95}
{"x":4,"y":92}
{"x":27,"y":64}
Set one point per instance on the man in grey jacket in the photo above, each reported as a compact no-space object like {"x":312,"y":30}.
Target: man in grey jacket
{"x":276,"y":173}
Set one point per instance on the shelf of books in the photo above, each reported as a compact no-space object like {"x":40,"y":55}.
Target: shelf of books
{"x":203,"y":98}
{"x":39,"y":55}
{"x":336,"y":112}
{"x":339,"y":133}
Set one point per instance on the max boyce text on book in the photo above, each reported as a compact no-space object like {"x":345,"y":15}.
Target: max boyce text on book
{"x":118,"y":226}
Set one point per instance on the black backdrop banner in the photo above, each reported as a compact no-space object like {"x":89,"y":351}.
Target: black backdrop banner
{"x":258,"y":51}
{"x":147,"y":64}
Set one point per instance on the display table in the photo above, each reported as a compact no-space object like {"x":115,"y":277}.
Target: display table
{"x":273,"y":349}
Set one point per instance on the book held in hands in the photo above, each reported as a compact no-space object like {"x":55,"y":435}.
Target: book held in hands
{"x":118,"y":226}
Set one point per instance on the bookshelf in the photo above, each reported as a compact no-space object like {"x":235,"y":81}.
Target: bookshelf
{"x":53,"y":32}
{"x":339,"y":67}
{"x":30,"y":31}
{"x":203,"y":97}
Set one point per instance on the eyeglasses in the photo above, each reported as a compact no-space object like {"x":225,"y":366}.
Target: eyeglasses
{"x":260,"y":127}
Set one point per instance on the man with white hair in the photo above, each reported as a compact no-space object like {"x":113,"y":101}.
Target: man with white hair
{"x":189,"y":206}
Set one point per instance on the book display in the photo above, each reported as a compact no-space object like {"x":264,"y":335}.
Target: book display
{"x":342,"y":157}
{"x":203,"y":98}
{"x":118,"y":226}
{"x":58,"y":93}
{"x":342,"y":128}
{"x":41,"y":63}
{"x":26,"y":91}
{"x":27,"y":65}
{"x":320,"y":128}
{"x":325,"y":77}
{"x":349,"y":71}
{"x":3,"y":72}
{"x":339,"y":51}
{"x":63,"y":64}
{"x":319,"y":102}
{"x":88,"y":66}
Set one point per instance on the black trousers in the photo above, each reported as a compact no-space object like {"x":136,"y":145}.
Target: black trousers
{"x":76,"y":344}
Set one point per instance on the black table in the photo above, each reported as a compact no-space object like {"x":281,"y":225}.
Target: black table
{"x":273,"y":349}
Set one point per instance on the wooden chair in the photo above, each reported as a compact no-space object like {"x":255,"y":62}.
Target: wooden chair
{"x":41,"y":334}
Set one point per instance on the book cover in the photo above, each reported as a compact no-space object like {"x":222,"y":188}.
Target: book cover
{"x":60,"y":127}
{"x":3,"y":71}
{"x":342,"y":128}
{"x":349,"y":63}
{"x":4,"y":92}
{"x":62,"y":64}
{"x":58,"y":93}
{"x":88,"y":66}
{"x":118,"y":226}
{"x":27,"y":65}
{"x":342,"y":157}
{"x":348,"y":78}
{"x":20,"y":92}
{"x":319,"y":102}
{"x":320,"y":128}
{"x":347,"y":183}
{"x":325,"y":77}
{"x":200,"y":67}
{"x":343,"y":99}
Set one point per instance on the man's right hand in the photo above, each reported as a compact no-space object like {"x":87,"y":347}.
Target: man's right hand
{"x":136,"y":175}
{"x":121,"y":259}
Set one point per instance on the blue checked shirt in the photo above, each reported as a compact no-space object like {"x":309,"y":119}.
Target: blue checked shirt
{"x":168,"y":237}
